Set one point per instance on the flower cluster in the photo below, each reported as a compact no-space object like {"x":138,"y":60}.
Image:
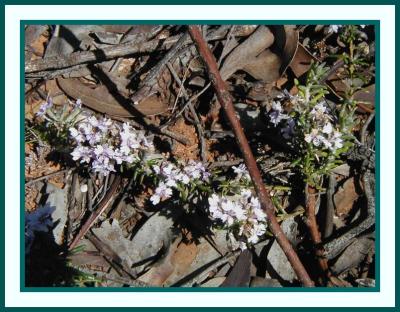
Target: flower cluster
{"x":172,"y":177}
{"x":242,"y":215}
{"x":104,"y":143}
{"x":323,"y":133}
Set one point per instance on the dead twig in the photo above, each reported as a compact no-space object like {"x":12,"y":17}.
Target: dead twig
{"x":33,"y":181}
{"x":226,"y":163}
{"x":197,"y":123}
{"x":148,"y":83}
{"x":118,"y":264}
{"x":95,"y":214}
{"x":108,"y":53}
{"x":336,"y":246}
{"x":330,"y":206}
{"x":266,"y":203}
{"x":363,"y":134}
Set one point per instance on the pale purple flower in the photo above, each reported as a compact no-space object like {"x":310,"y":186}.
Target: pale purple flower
{"x":245,"y":194}
{"x":328,"y":128}
{"x":213,"y":201}
{"x":103,"y":151}
{"x":94,"y":138}
{"x":325,"y":142}
{"x":196,"y":170}
{"x":103,"y":143}
{"x":129,"y":137}
{"x":103,"y":167}
{"x":275,"y":114}
{"x":288,"y":131}
{"x":241,"y":172}
{"x":104,"y":125}
{"x":123,"y":155}
{"x":337,"y":141}
{"x":314,"y":137}
{"x":44,"y":107}
{"x":254,"y":234}
{"x":319,"y":112}
{"x":86,"y":128}
{"x":183,"y":177}
{"x":168,"y":171}
{"x":93,"y":121}
{"x":142,"y":139}
{"x":76,"y":135}
{"x":81,"y":152}
{"x":334,"y":28}
{"x":161,"y":192}
{"x":78,"y":103}
{"x":103,"y":159}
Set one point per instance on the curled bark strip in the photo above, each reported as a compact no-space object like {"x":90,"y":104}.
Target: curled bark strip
{"x":266,"y":203}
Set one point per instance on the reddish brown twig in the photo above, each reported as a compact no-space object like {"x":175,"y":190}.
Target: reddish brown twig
{"x":95,"y":214}
{"x":314,"y":232}
{"x":266,"y":203}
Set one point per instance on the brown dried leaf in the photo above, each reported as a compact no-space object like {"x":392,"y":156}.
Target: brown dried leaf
{"x":345,"y":197}
{"x":366,"y":96}
{"x":290,"y":48}
{"x":180,"y":256}
{"x":102,"y":100}
{"x":247,"y":51}
{"x":301,"y":62}
{"x":240,"y":274}
{"x":264,"y":67}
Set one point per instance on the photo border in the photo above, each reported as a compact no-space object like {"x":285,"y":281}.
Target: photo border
{"x":195,"y":2}
{"x":23,"y":23}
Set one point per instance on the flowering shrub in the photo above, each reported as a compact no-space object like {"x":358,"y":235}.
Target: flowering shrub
{"x":314,"y":129}
{"x":107,"y":146}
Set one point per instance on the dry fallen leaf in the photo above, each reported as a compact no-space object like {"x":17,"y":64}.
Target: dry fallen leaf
{"x":345,"y":197}
{"x":102,"y":100}
{"x":178,"y":259}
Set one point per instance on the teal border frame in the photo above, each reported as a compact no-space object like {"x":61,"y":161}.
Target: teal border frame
{"x":194,"y":2}
{"x":184,"y":289}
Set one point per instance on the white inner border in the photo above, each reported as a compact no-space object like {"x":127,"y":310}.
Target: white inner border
{"x":13,"y":296}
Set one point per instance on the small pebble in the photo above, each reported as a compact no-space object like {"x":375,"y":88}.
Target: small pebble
{"x":84,"y":188}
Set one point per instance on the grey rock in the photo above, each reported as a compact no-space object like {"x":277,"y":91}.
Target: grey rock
{"x":58,"y":198}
